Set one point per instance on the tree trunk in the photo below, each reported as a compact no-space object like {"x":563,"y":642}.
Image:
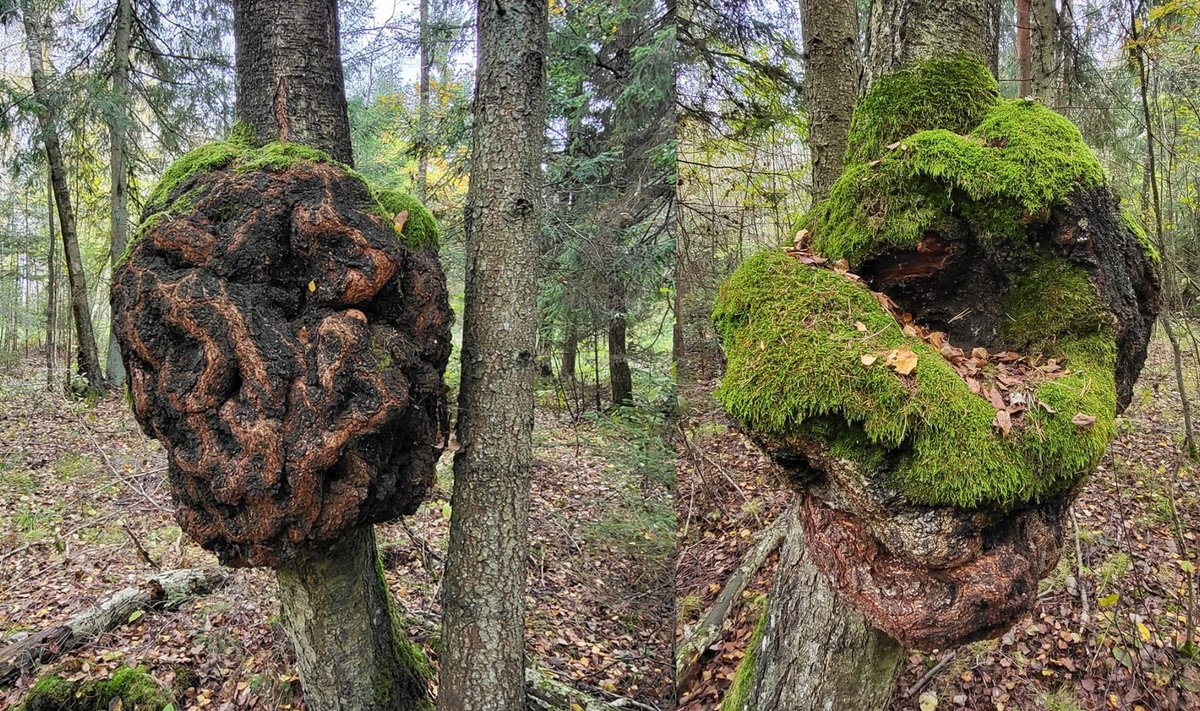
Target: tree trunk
{"x":38,"y":38}
{"x":831,"y":78}
{"x":811,"y":650}
{"x":902,"y":31}
{"x":1021,"y":42}
{"x":51,"y":287}
{"x":118,"y":127}
{"x":483,"y":605}
{"x":1044,"y":54}
{"x":426,"y":58}
{"x":346,"y":633}
{"x":619,"y":378}
{"x":1066,"y":50}
{"x":570,"y":352}
{"x":350,"y":651}
{"x":289,"y":74}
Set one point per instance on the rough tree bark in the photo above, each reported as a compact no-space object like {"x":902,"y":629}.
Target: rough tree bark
{"x":1044,"y":52}
{"x":813,"y":651}
{"x":483,"y":600}
{"x":349,"y":651}
{"x":831,"y":81}
{"x":289,"y":74}
{"x":38,"y":38}
{"x":901,"y":31}
{"x":118,"y":127}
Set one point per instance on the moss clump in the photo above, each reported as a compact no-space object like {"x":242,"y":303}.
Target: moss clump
{"x":795,"y":368}
{"x":934,"y":144}
{"x":953,"y":94}
{"x":133,"y":686}
{"x":420,"y":228}
{"x":238,"y":154}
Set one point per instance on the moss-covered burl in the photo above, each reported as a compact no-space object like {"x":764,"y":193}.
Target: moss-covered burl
{"x":990,"y":222}
{"x":285,"y":331}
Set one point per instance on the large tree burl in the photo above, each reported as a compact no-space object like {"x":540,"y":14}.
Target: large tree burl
{"x":287,"y":347}
{"x":938,"y":363}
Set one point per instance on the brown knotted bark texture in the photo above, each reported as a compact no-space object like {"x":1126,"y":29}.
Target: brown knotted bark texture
{"x":287,"y":348}
{"x":934,"y":577}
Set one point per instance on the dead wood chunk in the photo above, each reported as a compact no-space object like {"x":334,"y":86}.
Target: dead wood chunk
{"x":287,"y":348}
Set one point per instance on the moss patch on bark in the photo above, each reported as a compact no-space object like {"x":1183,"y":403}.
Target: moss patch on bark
{"x":933,"y":143}
{"x":170,"y":196}
{"x":795,"y":343}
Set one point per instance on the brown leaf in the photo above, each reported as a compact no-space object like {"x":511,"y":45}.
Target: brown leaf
{"x":903,"y":360}
{"x":1083,"y":421}
{"x":800,"y":238}
{"x":1003,"y":422}
{"x":860,"y":326}
{"x":399,"y":221}
{"x":841,"y":266}
{"x":997,"y":400}
{"x":868,"y":359}
{"x":979,"y":354}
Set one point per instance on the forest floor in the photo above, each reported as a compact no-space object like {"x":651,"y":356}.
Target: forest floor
{"x":1109,"y":625}
{"x":82,"y":491}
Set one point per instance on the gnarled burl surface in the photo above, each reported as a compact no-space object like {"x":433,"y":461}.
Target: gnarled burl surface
{"x":287,"y":347}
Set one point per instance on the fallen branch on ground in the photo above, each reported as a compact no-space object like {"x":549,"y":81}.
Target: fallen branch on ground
{"x":162,"y":590}
{"x":691,"y":649}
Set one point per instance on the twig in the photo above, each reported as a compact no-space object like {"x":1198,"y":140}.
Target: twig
{"x":1083,"y":598}
{"x":929,"y":675}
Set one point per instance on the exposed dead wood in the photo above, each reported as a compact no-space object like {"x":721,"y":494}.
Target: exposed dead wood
{"x":159,"y":591}
{"x":691,"y":650}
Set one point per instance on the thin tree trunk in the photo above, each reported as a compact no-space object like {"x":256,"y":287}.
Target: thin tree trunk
{"x":51,"y":287}
{"x":831,"y":78}
{"x":484,"y":586}
{"x":570,"y":352}
{"x":1022,"y":42}
{"x":289,"y":74}
{"x":350,"y":652}
{"x":1066,"y":51}
{"x":118,"y":172}
{"x":1044,"y":68}
{"x":619,"y":377}
{"x":426,"y":58}
{"x":37,"y":39}
{"x":813,"y":651}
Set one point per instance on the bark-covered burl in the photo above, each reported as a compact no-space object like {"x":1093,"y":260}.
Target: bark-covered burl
{"x":285,"y":340}
{"x":939,"y":361}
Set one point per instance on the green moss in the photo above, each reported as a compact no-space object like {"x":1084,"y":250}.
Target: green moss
{"x":953,"y":94}
{"x":209,"y":156}
{"x":279,"y":156}
{"x":242,"y":134}
{"x":405,"y":688}
{"x":133,"y":686}
{"x":738,"y":697}
{"x":1135,"y":226}
{"x":794,"y":353}
{"x":238,"y":154}
{"x":420,"y":228}
{"x":934,"y":144}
